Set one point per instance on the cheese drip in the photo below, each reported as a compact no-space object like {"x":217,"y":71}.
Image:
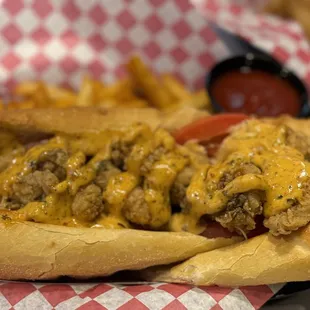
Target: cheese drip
{"x":282,"y":172}
{"x":56,"y":207}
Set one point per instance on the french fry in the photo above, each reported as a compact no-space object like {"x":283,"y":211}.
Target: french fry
{"x":127,"y":92}
{"x":41,"y":97}
{"x":27,"y":89}
{"x":61,"y":93}
{"x":108,"y":103}
{"x":301,"y":13}
{"x":86,"y":95}
{"x":135,"y":103}
{"x":175,"y":88}
{"x":298,"y":10}
{"x":27,"y":104}
{"x":97,"y":89}
{"x":148,"y":83}
{"x":119,"y":90}
{"x":140,"y":89}
{"x":278,"y":7}
{"x":200,"y":100}
{"x":63,"y":103}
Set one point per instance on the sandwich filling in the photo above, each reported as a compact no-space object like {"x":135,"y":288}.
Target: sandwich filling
{"x":135,"y":178}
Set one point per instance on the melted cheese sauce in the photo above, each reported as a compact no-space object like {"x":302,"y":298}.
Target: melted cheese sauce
{"x":157,"y":186}
{"x":283,"y":173}
{"x":118,"y":188}
{"x":56,"y":207}
{"x":283,"y":168}
{"x":23,"y":165}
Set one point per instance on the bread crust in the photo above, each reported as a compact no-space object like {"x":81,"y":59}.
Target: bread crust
{"x":38,"y":251}
{"x":264,"y":259}
{"x":32,"y":251}
{"x":73,"y":120}
{"x":299,"y":125}
{"x":32,"y":123}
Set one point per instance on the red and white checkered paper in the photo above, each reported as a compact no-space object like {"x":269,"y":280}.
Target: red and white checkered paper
{"x":59,"y":41}
{"x":159,"y":296}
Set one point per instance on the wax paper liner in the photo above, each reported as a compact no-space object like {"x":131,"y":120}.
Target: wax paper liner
{"x":59,"y":41}
{"x":121,"y":296}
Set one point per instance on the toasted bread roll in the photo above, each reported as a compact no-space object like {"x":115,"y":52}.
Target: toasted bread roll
{"x":302,"y":126}
{"x":262,"y":260}
{"x":81,"y":120}
{"x":74,"y":120}
{"x":31,"y":251}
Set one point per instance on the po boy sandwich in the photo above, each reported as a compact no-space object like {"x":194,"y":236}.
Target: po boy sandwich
{"x":72,"y":193}
{"x":261,"y":177}
{"x":87,"y":202}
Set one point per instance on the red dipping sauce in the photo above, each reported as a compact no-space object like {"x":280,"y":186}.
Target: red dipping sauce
{"x":255,"y":92}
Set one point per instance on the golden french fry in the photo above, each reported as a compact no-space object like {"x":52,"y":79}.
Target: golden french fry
{"x":282,"y":8}
{"x":97,"y":85}
{"x":41,"y":97}
{"x":135,"y":103}
{"x":121,"y":91}
{"x":127,"y":91}
{"x":27,"y":104}
{"x":27,"y":89}
{"x":56,"y":93}
{"x":301,"y":13}
{"x":139,"y":90}
{"x":175,"y":88}
{"x":148,"y":84}
{"x":200,"y":100}
{"x":97,"y":89}
{"x":63,"y":103}
{"x":298,"y":10}
{"x":86,"y":96}
{"x":112,"y":91}
{"x":108,"y":103}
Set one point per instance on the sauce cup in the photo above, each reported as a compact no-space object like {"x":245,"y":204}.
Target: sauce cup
{"x":256,"y":84}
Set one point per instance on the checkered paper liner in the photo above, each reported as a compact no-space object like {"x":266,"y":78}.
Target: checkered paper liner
{"x":60,"y":41}
{"x":159,"y":296}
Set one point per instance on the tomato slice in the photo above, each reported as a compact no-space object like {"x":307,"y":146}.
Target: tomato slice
{"x":209,"y":127}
